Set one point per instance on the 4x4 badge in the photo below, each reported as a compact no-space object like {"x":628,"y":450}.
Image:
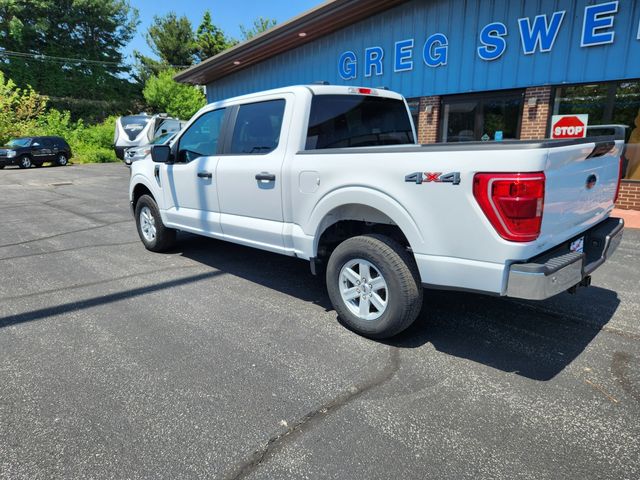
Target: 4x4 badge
{"x":436,"y":177}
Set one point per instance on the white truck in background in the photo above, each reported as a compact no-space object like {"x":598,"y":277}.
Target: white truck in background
{"x":333,"y":175}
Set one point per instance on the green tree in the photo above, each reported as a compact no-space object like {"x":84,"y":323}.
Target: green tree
{"x":210,"y":40}
{"x":164,"y":94}
{"x":172,"y":40}
{"x":68,"y":48}
{"x":259,"y":25}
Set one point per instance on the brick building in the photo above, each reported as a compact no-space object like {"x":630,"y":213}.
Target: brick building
{"x":480,"y":70}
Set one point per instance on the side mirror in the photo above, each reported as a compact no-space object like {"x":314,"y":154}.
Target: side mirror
{"x":161,"y":153}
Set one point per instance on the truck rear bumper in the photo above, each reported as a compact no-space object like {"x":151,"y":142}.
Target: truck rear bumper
{"x":560,"y":269}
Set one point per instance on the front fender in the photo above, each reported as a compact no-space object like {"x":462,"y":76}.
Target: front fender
{"x":141,"y":179}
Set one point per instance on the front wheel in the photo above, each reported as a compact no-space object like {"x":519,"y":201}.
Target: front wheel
{"x":25,"y":162}
{"x":374,"y":285}
{"x":154,"y":235}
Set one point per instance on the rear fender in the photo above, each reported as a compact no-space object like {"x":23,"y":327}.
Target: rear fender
{"x":332,"y":207}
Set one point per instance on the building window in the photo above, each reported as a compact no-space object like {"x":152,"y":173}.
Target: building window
{"x":414,"y":108}
{"x":477,"y":117}
{"x":612,"y":103}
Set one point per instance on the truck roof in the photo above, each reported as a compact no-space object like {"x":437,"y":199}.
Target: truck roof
{"x":315,"y":89}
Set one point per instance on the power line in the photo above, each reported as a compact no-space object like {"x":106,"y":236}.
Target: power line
{"x":55,"y":59}
{"x":36,"y":56}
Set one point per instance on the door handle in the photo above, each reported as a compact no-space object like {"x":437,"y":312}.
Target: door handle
{"x":269,"y":177}
{"x":205,"y":175}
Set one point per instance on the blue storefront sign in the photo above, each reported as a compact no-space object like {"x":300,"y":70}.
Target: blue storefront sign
{"x":535,"y":35}
{"x":434,"y":47}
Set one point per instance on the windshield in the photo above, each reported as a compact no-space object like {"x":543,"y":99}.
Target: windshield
{"x":19,"y":142}
{"x":162,"y":139}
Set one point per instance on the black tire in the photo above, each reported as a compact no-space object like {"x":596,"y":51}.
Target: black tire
{"x":62,"y":160}
{"x":25,"y":161}
{"x":403,"y":290}
{"x":164,"y":237}
{"x":2,"y":166}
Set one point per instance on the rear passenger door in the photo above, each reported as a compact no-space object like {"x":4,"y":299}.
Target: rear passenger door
{"x":250,"y":174}
{"x":42,"y":150}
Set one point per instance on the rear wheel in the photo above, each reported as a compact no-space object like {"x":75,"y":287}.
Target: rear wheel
{"x":154,"y":235}
{"x":25,"y":162}
{"x":1,"y":167}
{"x":62,"y":160}
{"x":374,"y":285}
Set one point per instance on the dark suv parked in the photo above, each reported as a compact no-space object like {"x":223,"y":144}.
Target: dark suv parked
{"x":29,"y":151}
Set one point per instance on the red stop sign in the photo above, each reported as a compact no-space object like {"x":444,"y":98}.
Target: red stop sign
{"x":569,"y":127}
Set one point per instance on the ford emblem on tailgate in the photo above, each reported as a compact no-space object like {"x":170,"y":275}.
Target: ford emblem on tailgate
{"x":591,"y":181}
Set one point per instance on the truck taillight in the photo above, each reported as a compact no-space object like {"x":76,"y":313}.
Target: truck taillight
{"x":513,"y":203}
{"x":620,"y":173}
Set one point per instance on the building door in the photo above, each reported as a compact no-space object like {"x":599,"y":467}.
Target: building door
{"x":477,"y":117}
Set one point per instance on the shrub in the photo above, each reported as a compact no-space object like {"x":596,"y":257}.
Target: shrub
{"x":89,"y":143}
{"x":19,"y":109}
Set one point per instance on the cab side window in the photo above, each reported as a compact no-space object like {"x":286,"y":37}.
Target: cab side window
{"x":201,"y":139}
{"x":257,"y":128}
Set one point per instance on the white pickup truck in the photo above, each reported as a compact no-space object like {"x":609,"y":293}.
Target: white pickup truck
{"x":333,"y":175}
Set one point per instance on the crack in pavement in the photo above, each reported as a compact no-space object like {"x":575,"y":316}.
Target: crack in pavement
{"x":88,"y":229}
{"x":312,"y":419}
{"x":87,"y":216}
{"x":102,"y":300}
{"x":99,"y":282}
{"x":620,"y":366}
{"x":64,"y":250}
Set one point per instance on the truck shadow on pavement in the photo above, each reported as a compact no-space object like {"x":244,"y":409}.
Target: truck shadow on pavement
{"x":536,"y":340}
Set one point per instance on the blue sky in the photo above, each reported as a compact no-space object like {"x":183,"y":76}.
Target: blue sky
{"x":228,"y":15}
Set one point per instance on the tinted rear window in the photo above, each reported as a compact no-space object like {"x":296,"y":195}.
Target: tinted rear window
{"x":338,"y":121}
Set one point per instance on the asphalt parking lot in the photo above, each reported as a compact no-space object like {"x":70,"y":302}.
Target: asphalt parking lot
{"x":219,"y":361}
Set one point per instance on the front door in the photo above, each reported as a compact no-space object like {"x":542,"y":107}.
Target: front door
{"x":250,"y":176}
{"x":190,"y":185}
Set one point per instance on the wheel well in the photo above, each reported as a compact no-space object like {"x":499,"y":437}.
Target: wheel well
{"x":351,"y":221}
{"x":138,"y":191}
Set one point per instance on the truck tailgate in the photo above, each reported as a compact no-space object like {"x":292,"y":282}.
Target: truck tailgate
{"x":581,"y":183}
